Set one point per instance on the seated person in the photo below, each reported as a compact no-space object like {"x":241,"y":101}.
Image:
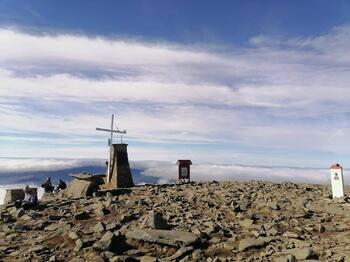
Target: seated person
{"x":61,"y":185}
{"x":48,"y":188}
{"x":29,"y":201}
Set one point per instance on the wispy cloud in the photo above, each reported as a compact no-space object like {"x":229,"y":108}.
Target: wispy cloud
{"x":275,"y":94}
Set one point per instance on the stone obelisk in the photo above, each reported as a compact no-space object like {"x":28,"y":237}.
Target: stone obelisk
{"x":120,"y":173}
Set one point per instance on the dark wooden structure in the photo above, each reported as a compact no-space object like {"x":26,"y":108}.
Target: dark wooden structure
{"x":184,"y":170}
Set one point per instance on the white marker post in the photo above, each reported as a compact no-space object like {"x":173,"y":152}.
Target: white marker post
{"x":337,"y":181}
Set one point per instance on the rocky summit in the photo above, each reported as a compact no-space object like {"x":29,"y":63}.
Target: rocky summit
{"x":211,"y":221}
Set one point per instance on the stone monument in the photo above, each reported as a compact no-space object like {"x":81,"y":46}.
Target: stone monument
{"x":118,"y":171}
{"x":337,"y":180}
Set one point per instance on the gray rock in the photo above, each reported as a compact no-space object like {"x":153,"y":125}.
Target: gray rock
{"x":300,"y":253}
{"x":83,"y":176}
{"x":272,"y":232}
{"x":321,"y":228}
{"x":197,"y":254}
{"x":148,"y":259}
{"x":2,"y":214}
{"x":211,"y":227}
{"x":81,"y":186}
{"x":26,"y":217}
{"x":107,"y":254}
{"x":105,"y":243}
{"x":246,"y":223}
{"x":287,"y":258}
{"x":251,"y":242}
{"x":101,"y":211}
{"x":52,"y":227}
{"x":78,"y":244}
{"x":291,"y":258}
{"x":273,"y":205}
{"x":18,"y":227}
{"x":6,"y":229}
{"x":126,"y":218}
{"x":181,"y":252}
{"x":244,"y":204}
{"x":155,"y":220}
{"x":99,"y":227}
{"x":20,"y":212}
{"x":123,"y":259}
{"x":83,"y":243}
{"x":112,"y":226}
{"x":171,"y":238}
{"x":77,"y":259}
{"x":73,"y":235}
{"x":289,"y":234}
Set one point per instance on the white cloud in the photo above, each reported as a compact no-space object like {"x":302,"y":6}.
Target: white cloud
{"x":288,"y":94}
{"x":20,"y":46}
{"x":209,"y":172}
{"x":8,"y":165}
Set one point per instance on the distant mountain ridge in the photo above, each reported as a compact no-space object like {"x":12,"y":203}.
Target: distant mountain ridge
{"x":38,"y":177}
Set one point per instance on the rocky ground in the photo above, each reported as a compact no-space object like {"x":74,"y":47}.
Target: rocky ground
{"x":226,"y":221}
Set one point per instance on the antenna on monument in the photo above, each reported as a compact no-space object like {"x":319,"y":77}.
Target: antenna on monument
{"x":110,"y":143}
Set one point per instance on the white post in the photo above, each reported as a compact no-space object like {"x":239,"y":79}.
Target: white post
{"x":337,"y":181}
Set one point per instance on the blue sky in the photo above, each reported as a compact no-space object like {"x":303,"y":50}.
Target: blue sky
{"x":233,"y":22}
{"x":229,"y":82}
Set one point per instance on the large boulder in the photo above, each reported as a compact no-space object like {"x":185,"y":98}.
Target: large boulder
{"x":82,"y":185}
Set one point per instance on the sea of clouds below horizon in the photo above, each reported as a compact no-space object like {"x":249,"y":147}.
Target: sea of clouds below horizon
{"x":17,"y":172}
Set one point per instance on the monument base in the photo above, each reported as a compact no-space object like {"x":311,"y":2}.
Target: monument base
{"x":120,"y":174}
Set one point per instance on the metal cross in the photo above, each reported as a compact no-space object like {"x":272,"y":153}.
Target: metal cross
{"x":110,"y":143}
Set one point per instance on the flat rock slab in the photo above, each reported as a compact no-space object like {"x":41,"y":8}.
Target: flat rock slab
{"x":82,"y":176}
{"x":250,"y":242}
{"x":300,"y":253}
{"x":166,"y":237}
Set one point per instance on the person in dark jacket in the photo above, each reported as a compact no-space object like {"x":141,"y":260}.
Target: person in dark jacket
{"x":48,"y":188}
{"x":61,"y":186}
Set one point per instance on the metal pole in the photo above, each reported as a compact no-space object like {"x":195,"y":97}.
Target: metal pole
{"x":110,"y":153}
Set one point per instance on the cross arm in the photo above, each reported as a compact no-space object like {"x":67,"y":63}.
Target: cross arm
{"x":109,"y":130}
